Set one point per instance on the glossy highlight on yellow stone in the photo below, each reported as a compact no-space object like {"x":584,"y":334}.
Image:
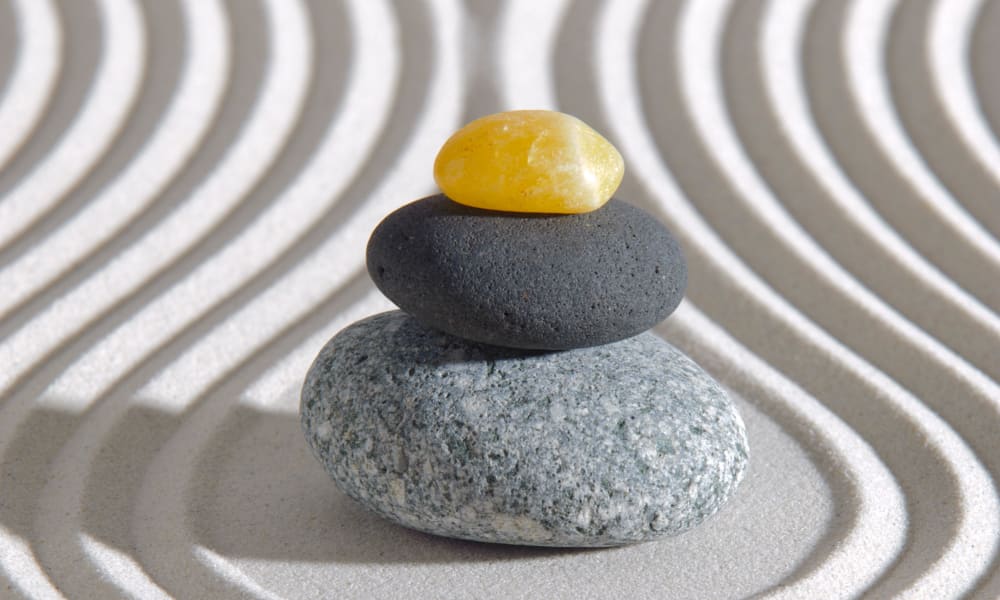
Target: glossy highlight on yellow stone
{"x":536,"y":161}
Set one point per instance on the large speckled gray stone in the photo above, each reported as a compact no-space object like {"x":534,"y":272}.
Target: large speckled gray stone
{"x":526,"y":280}
{"x":592,"y":447}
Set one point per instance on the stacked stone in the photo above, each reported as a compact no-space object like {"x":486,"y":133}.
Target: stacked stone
{"x":518,"y":397}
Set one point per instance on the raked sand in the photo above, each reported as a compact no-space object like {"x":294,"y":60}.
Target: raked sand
{"x":187,"y":186}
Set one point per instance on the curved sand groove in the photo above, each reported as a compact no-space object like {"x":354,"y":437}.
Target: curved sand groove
{"x":157,"y":507}
{"x":831,"y":208}
{"x":81,"y":42}
{"x":165,"y":45}
{"x":26,"y":93}
{"x":337,"y":257}
{"x":347,"y":115}
{"x":939,"y":390}
{"x":109,"y":103}
{"x":784,"y":328}
{"x":213,"y":284}
{"x":983,"y":46}
{"x":785,"y":262}
{"x":251,"y":143}
{"x":944,"y":367}
{"x":193,"y":571}
{"x":164,"y":500}
{"x":163,"y":306}
{"x":178,"y":134}
{"x":713,"y":129}
{"x":27,"y":396}
{"x":924,"y":65}
{"x":189,"y":206}
{"x":878,"y":528}
{"x":949,"y":34}
{"x":34,"y":380}
{"x":373,"y":37}
{"x":252,"y":153}
{"x":930,"y":219}
{"x":357,"y":121}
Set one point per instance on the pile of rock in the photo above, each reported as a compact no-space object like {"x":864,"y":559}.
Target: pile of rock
{"x":518,"y":397}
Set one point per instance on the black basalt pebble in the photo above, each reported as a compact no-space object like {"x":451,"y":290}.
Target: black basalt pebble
{"x":525,"y":280}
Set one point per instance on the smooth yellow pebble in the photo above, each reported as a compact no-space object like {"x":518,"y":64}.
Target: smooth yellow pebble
{"x":537,"y":161}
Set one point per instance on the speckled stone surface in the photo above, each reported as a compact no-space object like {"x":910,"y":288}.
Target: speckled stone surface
{"x":591,"y":447}
{"x":528,"y":281}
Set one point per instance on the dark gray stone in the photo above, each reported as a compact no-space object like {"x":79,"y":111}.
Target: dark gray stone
{"x":591,"y":447}
{"x":528,"y":281}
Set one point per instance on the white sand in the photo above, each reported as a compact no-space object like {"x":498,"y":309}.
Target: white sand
{"x":186,"y":188}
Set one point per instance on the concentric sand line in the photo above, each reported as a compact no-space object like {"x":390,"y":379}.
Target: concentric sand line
{"x":904,"y":411}
{"x":108,"y":104}
{"x":185,"y":193}
{"x":824,"y":200}
{"x":26,"y":93}
{"x":983,"y":45}
{"x":309,"y":278}
{"x":875,"y":501}
{"x":277,"y":105}
{"x":178,"y":134}
{"x":931,"y":220}
{"x":949,"y":34}
{"x":951,"y":369}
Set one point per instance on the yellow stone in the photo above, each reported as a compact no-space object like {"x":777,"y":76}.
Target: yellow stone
{"x":536,"y":161}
